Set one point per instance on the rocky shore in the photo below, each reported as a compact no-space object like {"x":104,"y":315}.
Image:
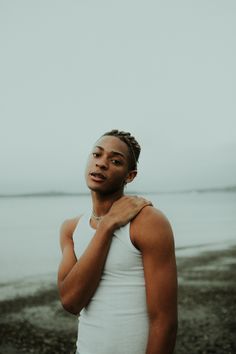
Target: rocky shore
{"x":34,"y":321}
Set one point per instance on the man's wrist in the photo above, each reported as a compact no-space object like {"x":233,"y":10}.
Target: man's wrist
{"x":108,"y":225}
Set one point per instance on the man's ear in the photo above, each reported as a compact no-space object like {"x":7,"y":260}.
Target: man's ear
{"x":131,"y":175}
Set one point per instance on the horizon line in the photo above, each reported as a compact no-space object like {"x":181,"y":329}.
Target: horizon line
{"x":55,"y":193}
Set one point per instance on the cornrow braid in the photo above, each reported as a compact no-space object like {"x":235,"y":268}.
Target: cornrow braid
{"x":131,"y":142}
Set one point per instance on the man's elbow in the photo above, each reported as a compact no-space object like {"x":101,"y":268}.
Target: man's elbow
{"x":173,"y":324}
{"x":171,"y":327}
{"x":167,"y":326}
{"x":69,"y":306}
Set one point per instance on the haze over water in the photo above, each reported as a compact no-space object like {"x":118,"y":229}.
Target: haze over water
{"x":29,"y":227}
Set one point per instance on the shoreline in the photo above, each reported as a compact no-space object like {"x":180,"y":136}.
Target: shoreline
{"x":33,"y":321}
{"x":11,"y":287}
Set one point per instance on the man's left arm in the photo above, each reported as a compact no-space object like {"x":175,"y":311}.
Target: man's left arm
{"x":156,"y":243}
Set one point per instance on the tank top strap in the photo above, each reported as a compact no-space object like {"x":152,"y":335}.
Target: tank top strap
{"x":82,"y":234}
{"x":123,"y":234}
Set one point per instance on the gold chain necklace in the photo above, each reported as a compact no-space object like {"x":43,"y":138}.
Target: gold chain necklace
{"x":97,"y":218}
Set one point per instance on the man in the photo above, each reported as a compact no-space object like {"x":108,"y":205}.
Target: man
{"x":118,"y":268}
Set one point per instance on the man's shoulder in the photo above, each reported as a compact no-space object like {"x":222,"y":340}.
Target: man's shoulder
{"x":69,"y":224}
{"x":153,"y":215}
{"x":66,"y":231}
{"x":67,"y":228}
{"x":151,"y":226}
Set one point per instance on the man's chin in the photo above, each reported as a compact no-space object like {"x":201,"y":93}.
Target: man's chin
{"x":103,"y":191}
{"x":96,"y":188}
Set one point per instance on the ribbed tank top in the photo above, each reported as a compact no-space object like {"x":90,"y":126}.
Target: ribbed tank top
{"x":115,"y":320}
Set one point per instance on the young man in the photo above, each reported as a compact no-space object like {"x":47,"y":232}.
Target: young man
{"x":118,"y":269}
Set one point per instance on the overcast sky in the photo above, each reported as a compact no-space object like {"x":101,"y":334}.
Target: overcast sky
{"x":163,"y":70}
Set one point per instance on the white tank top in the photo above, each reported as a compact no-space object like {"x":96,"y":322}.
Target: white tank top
{"x":115,"y":320}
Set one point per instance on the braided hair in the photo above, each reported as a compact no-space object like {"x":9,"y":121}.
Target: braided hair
{"x":131,"y":142}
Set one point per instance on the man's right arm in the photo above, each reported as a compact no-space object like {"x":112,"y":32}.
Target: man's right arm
{"x":78,"y":279}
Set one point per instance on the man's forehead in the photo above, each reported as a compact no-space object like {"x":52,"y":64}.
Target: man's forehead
{"x":112,"y":143}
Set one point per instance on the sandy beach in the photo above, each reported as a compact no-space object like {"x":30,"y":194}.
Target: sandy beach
{"x":32,"y":320}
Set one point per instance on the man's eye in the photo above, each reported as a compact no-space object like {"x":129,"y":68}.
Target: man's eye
{"x":115,"y":162}
{"x":95,"y":154}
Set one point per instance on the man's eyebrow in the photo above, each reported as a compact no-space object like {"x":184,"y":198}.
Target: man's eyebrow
{"x":116,"y":153}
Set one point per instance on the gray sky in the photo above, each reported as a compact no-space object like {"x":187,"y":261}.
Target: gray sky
{"x":71,"y":70}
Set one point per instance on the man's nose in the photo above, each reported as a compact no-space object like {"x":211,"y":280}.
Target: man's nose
{"x":102,"y":163}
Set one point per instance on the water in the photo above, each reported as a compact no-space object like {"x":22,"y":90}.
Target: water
{"x":29,"y":227}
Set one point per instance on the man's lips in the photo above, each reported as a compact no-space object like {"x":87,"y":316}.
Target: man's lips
{"x":98,"y":176}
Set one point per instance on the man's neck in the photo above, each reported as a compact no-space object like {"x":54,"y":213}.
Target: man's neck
{"x":102,"y":203}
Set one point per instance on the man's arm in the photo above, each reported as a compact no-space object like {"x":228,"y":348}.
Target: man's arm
{"x":154,"y":238}
{"x":78,"y":279}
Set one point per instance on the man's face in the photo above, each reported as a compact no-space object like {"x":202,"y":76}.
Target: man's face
{"x":108,"y":165}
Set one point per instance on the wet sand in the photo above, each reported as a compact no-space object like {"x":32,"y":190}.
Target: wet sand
{"x":33,"y":321}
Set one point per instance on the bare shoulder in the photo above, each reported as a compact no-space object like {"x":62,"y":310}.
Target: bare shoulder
{"x":69,"y":225}
{"x":152,"y":228}
{"x":66,"y":231}
{"x":150,"y":216}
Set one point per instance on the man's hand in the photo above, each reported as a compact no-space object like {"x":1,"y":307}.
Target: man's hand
{"x":124,"y":210}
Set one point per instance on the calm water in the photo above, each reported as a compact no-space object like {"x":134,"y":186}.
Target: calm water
{"x":29,"y":227}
